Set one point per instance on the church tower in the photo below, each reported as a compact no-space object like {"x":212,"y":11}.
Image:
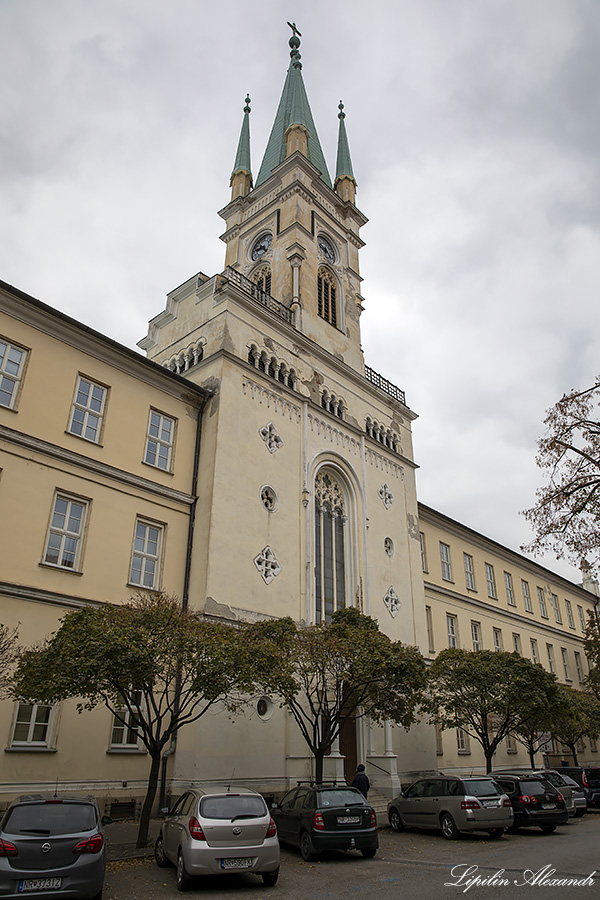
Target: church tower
{"x":305,"y":486}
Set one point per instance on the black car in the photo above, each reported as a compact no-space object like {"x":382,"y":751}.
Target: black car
{"x":318,"y":817}
{"x":589,"y":779}
{"x":52,"y":847}
{"x":535,"y":801}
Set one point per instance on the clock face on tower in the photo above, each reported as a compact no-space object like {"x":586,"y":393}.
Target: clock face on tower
{"x":261,"y":245}
{"x":326,"y":248}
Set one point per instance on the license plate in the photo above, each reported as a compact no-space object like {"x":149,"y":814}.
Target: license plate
{"x":242,"y":862}
{"x":548,"y":805}
{"x":493,"y":803}
{"x":348,"y":820}
{"x":39,"y":884}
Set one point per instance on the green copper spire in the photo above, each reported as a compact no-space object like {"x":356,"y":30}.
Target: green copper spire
{"x":242,"y":157}
{"x":344,"y":163}
{"x":293,"y":109}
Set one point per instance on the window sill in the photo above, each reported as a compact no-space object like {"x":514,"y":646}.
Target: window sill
{"x":512,"y":752}
{"x":9,"y":408}
{"x":141,"y":587}
{"x":158,"y":468}
{"x":47,"y":565}
{"x":25,"y":749}
{"x":127,"y":751}
{"x":81,"y":437}
{"x":464,"y":752}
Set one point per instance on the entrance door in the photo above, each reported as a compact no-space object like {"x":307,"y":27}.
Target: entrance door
{"x":348,"y":748}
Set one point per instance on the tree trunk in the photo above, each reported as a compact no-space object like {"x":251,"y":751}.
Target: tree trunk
{"x":142,"y":838}
{"x":489,"y":755}
{"x":573,"y":750}
{"x":531,"y":756}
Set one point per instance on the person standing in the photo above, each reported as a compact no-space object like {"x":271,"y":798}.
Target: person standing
{"x":361,"y":781}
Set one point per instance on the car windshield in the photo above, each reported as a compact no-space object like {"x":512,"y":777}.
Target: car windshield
{"x":233,"y":806}
{"x":340,"y":797}
{"x":50,"y":818}
{"x":482,"y":788}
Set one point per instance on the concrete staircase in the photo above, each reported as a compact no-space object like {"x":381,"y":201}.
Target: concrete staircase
{"x":379,"y":803}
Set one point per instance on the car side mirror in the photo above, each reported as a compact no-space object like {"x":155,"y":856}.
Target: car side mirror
{"x":274,"y":805}
{"x":106,"y":820}
{"x":165,"y":811}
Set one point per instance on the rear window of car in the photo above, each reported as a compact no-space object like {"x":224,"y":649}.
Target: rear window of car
{"x":50,"y":818}
{"x":536,"y":786}
{"x":482,"y":788}
{"x":593,"y":777}
{"x":340,"y":798}
{"x":233,"y":806}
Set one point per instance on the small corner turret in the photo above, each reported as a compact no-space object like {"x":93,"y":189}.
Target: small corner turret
{"x":345,"y":183}
{"x":241,"y":176}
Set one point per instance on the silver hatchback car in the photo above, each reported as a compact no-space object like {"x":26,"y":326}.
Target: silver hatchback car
{"x":453,"y":804}
{"x":216,"y":833}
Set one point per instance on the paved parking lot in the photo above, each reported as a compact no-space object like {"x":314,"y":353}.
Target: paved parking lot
{"x":410,"y":864}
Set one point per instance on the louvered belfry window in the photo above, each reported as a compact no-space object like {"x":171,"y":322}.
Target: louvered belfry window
{"x":326,"y":297}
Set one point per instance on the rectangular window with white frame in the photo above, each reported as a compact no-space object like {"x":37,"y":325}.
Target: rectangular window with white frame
{"x":511,"y":746}
{"x":423,"y":551}
{"x":469,"y":572}
{"x":510,"y":591}
{"x":452,"y":627}
{"x":124,"y":733}
{"x":490,"y":581}
{"x":498,"y":643}
{"x":593,"y":745}
{"x":160,"y":440}
{"x":526,"y":596}
{"x":476,"y":635}
{"x":12,"y":366}
{"x":463,"y":743}
{"x":439,"y":741}
{"x":446,"y":563}
{"x":535,"y":656}
{"x":65,"y":533}
{"x":569,"y":610}
{"x":565,"y":662}
{"x":87,"y":412}
{"x":32,"y":726}
{"x":517,"y":643}
{"x":542,"y":602}
{"x":556,"y":608}
{"x":578,"y":666}
{"x":146,"y":556}
{"x":581,"y":618}
{"x":550,"y":651}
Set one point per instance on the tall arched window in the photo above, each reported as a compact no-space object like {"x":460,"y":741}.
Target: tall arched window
{"x":262,"y":279}
{"x":326,"y":296}
{"x":330,"y":551}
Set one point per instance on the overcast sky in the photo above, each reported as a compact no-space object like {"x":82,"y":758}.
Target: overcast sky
{"x":474,"y":128}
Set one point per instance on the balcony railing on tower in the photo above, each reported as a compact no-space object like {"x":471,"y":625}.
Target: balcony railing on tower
{"x":249,"y":287}
{"x":385,"y":385}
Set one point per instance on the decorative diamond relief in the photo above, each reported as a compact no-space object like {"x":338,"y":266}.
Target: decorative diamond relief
{"x":392,"y":601}
{"x":267,"y":565}
{"x":271,"y":437}
{"x":387,"y":498}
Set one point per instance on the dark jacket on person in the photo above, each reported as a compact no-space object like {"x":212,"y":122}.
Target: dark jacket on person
{"x":362,"y":783}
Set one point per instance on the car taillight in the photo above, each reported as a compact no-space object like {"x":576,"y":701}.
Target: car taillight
{"x":318,"y":823}
{"x":584,"y":780}
{"x":560,"y":797}
{"x":506,"y":802}
{"x":90,"y":845}
{"x":373,"y":819}
{"x":526,"y":798}
{"x":195,"y":829}
{"x":470,"y":804}
{"x":8,"y":849}
{"x":272,"y":829}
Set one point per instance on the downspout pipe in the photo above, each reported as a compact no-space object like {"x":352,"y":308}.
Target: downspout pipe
{"x":186,"y":583}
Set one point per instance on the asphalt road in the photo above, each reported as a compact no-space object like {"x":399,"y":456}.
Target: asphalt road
{"x":412,"y":864}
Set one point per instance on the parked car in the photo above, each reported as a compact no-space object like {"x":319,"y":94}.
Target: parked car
{"x":452,"y":804}
{"x":215,"y":833}
{"x":318,"y":817}
{"x":52,"y":847}
{"x":534,"y":801}
{"x":572,"y":793}
{"x":588,"y":778}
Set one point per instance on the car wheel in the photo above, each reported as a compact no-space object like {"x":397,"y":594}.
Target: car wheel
{"x":448,"y":826}
{"x":496,"y":832}
{"x":270,"y":878}
{"x":183,"y":879}
{"x":160,"y":856}
{"x":548,"y":829}
{"x":396,"y":820}
{"x":306,"y":847}
{"x":369,"y":852}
